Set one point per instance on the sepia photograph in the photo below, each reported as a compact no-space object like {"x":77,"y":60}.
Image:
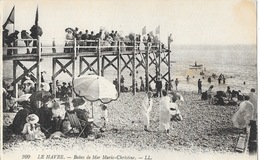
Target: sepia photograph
{"x":129,"y":79}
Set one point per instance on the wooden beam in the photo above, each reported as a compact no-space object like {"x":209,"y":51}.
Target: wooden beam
{"x":134,"y":67}
{"x":15,"y":92}
{"x":73,"y":73}
{"x":140,"y":63}
{"x":126,"y":64}
{"x":110,"y":62}
{"x":25,"y":73}
{"x":54,"y":77}
{"x":118,"y":68}
{"x":26,"y":69}
{"x":103,"y":66}
{"x":89,"y":66}
{"x":169,"y":60}
{"x":38,"y":73}
{"x":163,"y":77}
{"x":153,"y":61}
{"x":80,"y":65}
{"x":63,"y":68}
{"x":99,"y":59}
{"x":147,"y":70}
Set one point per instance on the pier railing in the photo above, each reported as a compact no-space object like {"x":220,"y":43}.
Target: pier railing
{"x":123,"y":51}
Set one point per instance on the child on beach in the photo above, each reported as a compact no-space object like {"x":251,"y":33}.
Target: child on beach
{"x":145,"y":110}
{"x":164,"y":113}
{"x":31,"y":129}
{"x":103,"y":116}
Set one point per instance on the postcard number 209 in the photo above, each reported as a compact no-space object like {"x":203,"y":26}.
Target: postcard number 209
{"x":26,"y":156}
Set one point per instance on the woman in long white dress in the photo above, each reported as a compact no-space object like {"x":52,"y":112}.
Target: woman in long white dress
{"x":164,"y":114}
{"x":145,"y":110}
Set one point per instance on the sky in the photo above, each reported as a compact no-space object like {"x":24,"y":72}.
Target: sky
{"x":191,"y":22}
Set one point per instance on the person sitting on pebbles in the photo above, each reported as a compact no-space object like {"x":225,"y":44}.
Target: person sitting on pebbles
{"x":58,"y":115}
{"x":82,"y":114}
{"x":45,"y":115}
{"x":31,"y":130}
{"x":145,"y":110}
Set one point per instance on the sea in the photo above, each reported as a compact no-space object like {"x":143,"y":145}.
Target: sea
{"x":238,"y":63}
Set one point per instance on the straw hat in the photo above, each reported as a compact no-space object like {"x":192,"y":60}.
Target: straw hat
{"x":32,"y":118}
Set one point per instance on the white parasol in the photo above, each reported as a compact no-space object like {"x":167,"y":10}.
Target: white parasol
{"x":94,"y":88}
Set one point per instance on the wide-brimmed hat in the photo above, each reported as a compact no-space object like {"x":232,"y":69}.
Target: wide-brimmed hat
{"x":78,"y":101}
{"x":32,"y":119}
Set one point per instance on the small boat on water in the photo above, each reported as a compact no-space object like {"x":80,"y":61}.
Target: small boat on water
{"x":196,"y":66}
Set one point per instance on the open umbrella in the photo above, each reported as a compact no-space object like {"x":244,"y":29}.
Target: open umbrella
{"x":38,"y":95}
{"x":94,"y":88}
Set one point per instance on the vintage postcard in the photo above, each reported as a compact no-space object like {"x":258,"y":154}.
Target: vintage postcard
{"x":129,"y":80}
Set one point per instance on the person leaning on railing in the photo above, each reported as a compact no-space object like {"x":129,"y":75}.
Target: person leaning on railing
{"x":25,"y":35}
{"x":11,"y":39}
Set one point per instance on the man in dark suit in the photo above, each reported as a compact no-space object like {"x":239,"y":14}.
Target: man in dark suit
{"x":158,"y":86}
{"x":11,"y":39}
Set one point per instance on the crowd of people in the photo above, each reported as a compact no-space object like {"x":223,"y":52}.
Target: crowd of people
{"x":88,"y":39}
{"x":35,"y":122}
{"x":11,"y":39}
{"x":168,"y":110}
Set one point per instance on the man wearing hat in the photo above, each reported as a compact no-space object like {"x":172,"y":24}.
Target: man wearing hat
{"x":64,"y":89}
{"x":26,"y":35}
{"x":82,"y":113}
{"x":11,"y":39}
{"x":45,"y":115}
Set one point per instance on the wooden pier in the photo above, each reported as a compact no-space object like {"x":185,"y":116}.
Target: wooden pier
{"x":96,"y":58}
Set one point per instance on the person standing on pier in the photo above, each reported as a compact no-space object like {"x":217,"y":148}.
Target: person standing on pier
{"x":11,"y":39}
{"x":25,"y":35}
{"x":35,"y":32}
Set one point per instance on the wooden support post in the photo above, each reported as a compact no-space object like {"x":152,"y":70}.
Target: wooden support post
{"x":15,"y":88}
{"x":99,"y":59}
{"x":134,"y":72}
{"x":169,"y":61}
{"x":118,"y":68}
{"x":53,"y":76}
{"x":80,"y":65}
{"x":38,"y":77}
{"x":159,"y":61}
{"x":73,"y":71}
{"x":147,"y":70}
{"x":75,"y":46}
{"x":103,"y":66}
